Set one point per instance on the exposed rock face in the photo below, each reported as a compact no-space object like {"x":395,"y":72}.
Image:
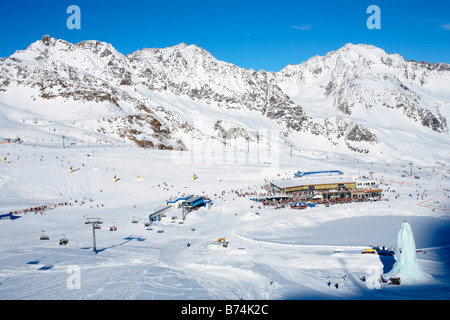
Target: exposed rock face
{"x":361,"y":77}
{"x":127,"y":95}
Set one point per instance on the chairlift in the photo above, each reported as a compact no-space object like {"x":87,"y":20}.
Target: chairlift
{"x":44,"y":236}
{"x":64,"y":240}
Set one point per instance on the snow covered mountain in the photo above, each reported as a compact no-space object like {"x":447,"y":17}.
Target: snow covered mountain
{"x":395,"y":101}
{"x":356,"y":99}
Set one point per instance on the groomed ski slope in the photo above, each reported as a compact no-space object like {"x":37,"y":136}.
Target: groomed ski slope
{"x":271,"y":253}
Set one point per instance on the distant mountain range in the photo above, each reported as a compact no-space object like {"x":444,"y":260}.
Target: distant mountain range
{"x":357,"y":99}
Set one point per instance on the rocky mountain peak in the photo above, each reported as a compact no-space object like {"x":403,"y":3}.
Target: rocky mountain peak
{"x":47,"y":40}
{"x":343,"y":96}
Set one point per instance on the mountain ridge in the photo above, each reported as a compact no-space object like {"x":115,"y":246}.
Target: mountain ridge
{"x":149,"y":96}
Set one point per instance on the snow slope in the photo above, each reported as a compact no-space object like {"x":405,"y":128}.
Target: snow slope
{"x":271,"y":253}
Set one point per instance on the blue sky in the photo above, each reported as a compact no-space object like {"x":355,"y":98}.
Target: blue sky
{"x":251,"y":34}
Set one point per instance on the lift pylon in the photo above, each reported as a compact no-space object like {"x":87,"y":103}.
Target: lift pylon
{"x":95,"y":222}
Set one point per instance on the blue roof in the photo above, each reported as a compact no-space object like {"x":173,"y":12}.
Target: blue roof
{"x":181,"y":198}
{"x":302,"y":174}
{"x":193,"y":200}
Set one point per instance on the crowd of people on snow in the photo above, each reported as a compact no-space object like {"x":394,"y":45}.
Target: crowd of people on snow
{"x":276,"y":204}
{"x":40,"y":209}
{"x":342,"y":200}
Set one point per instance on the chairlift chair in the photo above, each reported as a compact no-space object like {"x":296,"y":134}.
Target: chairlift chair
{"x":96,"y":226}
{"x":113,"y":228}
{"x":134,"y":220}
{"x":44,"y":236}
{"x":64,"y":240}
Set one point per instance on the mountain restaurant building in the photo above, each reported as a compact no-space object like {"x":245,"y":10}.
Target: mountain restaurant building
{"x":308,"y":185}
{"x":327,"y":187}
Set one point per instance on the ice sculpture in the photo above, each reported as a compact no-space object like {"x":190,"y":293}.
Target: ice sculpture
{"x":406,"y":267}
